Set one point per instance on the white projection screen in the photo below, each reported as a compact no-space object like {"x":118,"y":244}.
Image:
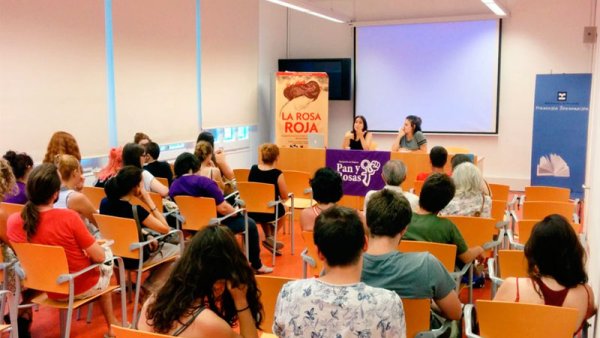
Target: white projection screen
{"x":444,"y":72}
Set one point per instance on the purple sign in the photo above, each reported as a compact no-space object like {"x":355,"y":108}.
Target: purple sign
{"x":360,"y":170}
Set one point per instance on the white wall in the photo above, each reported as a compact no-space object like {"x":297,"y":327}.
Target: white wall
{"x":532,"y":43}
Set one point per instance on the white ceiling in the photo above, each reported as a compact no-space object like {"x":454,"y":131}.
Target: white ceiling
{"x":382,"y":10}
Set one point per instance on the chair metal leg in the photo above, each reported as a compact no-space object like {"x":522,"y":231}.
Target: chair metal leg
{"x":62,"y":320}
{"x":89,"y":313}
{"x":292,"y":225}
{"x":137,"y":299}
{"x":471,"y":284}
{"x":275,"y":239}
{"x":68,"y":322}
{"x":78,"y":314}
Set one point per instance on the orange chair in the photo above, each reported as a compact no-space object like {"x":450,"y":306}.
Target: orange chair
{"x":511,"y":263}
{"x":198,"y":212}
{"x":241,"y":175}
{"x":541,"y":209}
{"x":544,"y":193}
{"x":506,"y":319}
{"x":95,"y":195}
{"x":122,"y":332}
{"x":499,"y":191}
{"x":417,"y":313}
{"x":45,"y":268}
{"x":269,"y":287}
{"x":310,"y":256}
{"x":298,"y":185}
{"x":258,"y":197}
{"x":163,"y":181}
{"x":417,"y":186}
{"x":124,"y":233}
{"x":156,"y":198}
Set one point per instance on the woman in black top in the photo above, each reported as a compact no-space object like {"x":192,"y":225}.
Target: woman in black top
{"x":265,"y":172}
{"x":359,"y":138}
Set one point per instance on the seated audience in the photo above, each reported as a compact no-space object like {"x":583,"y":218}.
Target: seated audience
{"x":40,"y":223}
{"x":556,"y":268}
{"x":115,"y":163}
{"x":266,"y":172}
{"x":156,"y":167}
{"x":61,"y":142}
{"x":394,"y":174}
{"x":21,"y":165}
{"x":133,"y":154}
{"x":410,"y":137}
{"x":69,"y":196}
{"x":459,"y":159}
{"x":427,"y":226}
{"x":204,"y":152}
{"x":188,"y":183}
{"x":470,"y":198}
{"x":359,"y":138}
{"x":410,"y":275}
{"x":338,"y":304}
{"x":218,"y":157}
{"x":141,"y":139}
{"x":120,"y":190}
{"x":211,"y":288}
{"x":326,"y":187}
{"x":438,"y":156}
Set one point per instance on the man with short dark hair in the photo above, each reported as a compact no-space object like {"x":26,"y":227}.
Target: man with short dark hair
{"x":427,"y":226}
{"x":410,"y":275}
{"x":394,"y":174}
{"x":438,"y":156}
{"x":338,"y":304}
{"x":155,"y":167}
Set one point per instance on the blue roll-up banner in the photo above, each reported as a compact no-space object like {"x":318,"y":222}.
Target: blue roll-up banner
{"x":560,"y":127}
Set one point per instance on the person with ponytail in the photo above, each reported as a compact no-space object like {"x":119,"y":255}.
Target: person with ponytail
{"x":21,"y":165}
{"x":69,"y":197}
{"x":120,"y":190}
{"x":41,"y":223}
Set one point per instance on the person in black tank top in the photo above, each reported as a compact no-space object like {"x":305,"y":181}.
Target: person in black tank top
{"x":266,"y":172}
{"x":359,"y":138}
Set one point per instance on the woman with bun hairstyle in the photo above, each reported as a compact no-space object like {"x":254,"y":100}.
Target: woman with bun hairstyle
{"x":359,"y":138}
{"x":410,"y":137}
{"x":210,"y":290}
{"x":21,"y":165}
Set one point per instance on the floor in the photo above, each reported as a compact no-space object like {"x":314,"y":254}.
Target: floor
{"x":45,"y":323}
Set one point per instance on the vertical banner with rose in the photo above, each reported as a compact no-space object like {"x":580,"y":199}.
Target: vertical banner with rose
{"x":301,"y":107}
{"x":360,"y":170}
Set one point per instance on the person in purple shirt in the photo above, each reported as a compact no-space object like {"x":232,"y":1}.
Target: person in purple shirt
{"x":21,"y":165}
{"x":188,"y":183}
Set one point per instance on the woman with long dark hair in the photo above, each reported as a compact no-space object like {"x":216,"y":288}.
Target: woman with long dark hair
{"x":134,"y":154}
{"x":210,"y":289}
{"x":410,"y":137}
{"x":556,"y":268}
{"x":359,"y":138}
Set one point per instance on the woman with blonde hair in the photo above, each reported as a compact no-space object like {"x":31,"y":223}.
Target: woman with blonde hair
{"x":115,"y":163}
{"x":61,"y":142}
{"x":266,"y":172}
{"x":470,"y":198}
{"x":69,"y":196}
{"x":204,"y":152}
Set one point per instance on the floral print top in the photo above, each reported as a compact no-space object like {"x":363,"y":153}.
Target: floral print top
{"x":314,"y":309}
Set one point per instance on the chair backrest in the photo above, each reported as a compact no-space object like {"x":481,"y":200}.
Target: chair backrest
{"x":541,"y":209}
{"x":156,"y":198}
{"x":526,"y":226}
{"x":269,"y":287}
{"x":241,"y":175}
{"x":458,"y":150}
{"x":11,"y":208}
{"x":122,"y":332}
{"x":311,"y":247}
{"x":445,"y":253}
{"x":417,"y":186}
{"x":303,"y":159}
{"x":95,"y":195}
{"x":499,"y":191}
{"x":163,"y":181}
{"x":499,"y":209}
{"x":416,"y":162}
{"x":197,"y":211}
{"x":475,"y":230}
{"x":512,"y":263}
{"x":297,"y":182}
{"x":417,"y":315}
{"x":543,"y":193}
{"x":257,"y":196}
{"x":353,"y":202}
{"x":42,"y":265}
{"x":507,"y":319}
{"x":123,"y":231}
